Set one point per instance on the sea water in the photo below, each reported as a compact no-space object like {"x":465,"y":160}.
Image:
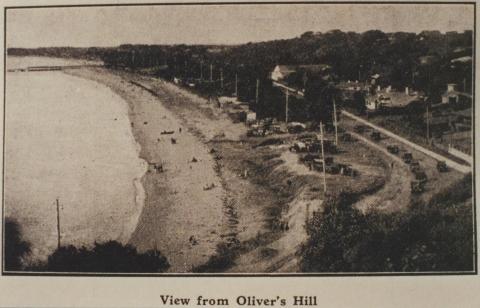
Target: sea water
{"x":69,"y":139}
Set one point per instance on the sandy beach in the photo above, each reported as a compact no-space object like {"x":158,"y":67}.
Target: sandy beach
{"x":182,"y":215}
{"x":243,"y":213}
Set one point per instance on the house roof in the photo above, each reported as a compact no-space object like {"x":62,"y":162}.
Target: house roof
{"x":462,"y":59}
{"x":453,"y":93}
{"x":314,"y":68}
{"x":348,"y":84}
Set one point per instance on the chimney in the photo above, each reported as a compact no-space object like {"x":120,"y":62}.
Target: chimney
{"x":406,"y":91}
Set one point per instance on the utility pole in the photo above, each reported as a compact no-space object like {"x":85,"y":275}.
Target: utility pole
{"x":286,"y":107}
{"x":236,"y":85}
{"x":58,"y":224}
{"x":428,"y":126}
{"x":211,"y":72}
{"x":256,"y":92}
{"x":185,"y":69}
{"x":335,"y":121}
{"x":201,"y":70}
{"x":221,"y":79}
{"x":323,"y":158}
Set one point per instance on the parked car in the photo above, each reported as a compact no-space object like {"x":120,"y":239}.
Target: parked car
{"x":414,"y":166}
{"x":442,"y":166}
{"x":393,"y":149}
{"x":296,"y":127}
{"x":299,"y":147}
{"x":347,"y":170}
{"x":347,"y":137}
{"x":407,"y":157}
{"x":376,"y":136}
{"x":421,"y":176}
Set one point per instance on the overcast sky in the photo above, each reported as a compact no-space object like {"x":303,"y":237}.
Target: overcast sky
{"x":219,"y":24}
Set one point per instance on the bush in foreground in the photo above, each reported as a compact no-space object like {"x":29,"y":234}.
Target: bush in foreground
{"x":14,"y":247}
{"x":428,"y":237}
{"x":108,"y":257}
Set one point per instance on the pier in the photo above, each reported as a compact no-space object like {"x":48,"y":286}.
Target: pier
{"x":51,"y":68}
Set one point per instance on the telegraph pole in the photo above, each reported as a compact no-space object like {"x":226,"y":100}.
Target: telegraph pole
{"x":286,"y":107}
{"x":211,"y":72}
{"x":428,"y":126}
{"x":201,"y":70}
{"x":58,"y":224}
{"x":185,"y":69}
{"x":221,"y":79}
{"x":323,"y":158}
{"x":335,"y":121}
{"x":256,"y":92}
{"x":236,"y":85}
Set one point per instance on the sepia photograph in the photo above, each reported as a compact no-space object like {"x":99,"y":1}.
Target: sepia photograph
{"x":252,"y":139}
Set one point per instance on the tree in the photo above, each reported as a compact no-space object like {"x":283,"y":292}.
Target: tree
{"x":321,"y":93}
{"x":437,"y":236}
{"x":108,"y":257}
{"x":15,"y":248}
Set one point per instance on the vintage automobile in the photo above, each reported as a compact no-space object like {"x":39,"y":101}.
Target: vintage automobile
{"x":442,"y":166}
{"x":407,"y":157}
{"x":393,"y":149}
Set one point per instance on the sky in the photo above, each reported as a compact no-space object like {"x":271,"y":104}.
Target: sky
{"x":220,"y":24}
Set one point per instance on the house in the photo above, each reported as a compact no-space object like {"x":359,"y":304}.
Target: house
{"x":455,"y":97}
{"x":349,"y":88}
{"x":388,"y":98}
{"x":281,"y":72}
{"x":374,"y":79}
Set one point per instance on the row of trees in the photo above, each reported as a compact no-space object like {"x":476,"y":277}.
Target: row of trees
{"x":421,"y":61}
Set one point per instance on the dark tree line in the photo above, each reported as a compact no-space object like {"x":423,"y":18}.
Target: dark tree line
{"x":107,"y":257}
{"x":421,"y":61}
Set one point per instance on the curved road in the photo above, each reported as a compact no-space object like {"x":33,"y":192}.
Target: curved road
{"x":450,"y":163}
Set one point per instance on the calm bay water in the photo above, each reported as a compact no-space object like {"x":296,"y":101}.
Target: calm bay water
{"x":68,"y":138}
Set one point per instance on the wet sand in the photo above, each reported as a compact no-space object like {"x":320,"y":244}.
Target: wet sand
{"x":181,"y":217}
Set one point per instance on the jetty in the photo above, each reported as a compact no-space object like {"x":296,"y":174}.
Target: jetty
{"x":52,"y":68}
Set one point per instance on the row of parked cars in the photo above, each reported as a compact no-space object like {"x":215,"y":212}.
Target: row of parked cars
{"x":420,"y":176}
{"x":309,"y":149}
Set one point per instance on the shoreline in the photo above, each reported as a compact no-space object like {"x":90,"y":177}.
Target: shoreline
{"x":166,"y":221}
{"x":80,"y":152}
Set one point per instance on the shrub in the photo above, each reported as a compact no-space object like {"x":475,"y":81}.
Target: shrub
{"x":15,"y":248}
{"x":108,"y":257}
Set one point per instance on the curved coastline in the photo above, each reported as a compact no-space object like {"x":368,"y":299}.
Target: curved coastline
{"x":71,"y":156}
{"x":167,"y":220}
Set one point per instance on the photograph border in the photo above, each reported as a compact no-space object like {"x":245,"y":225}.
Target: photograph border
{"x":339,"y":274}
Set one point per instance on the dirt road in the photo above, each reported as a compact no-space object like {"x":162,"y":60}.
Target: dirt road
{"x":395,"y":194}
{"x":452,"y":164}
